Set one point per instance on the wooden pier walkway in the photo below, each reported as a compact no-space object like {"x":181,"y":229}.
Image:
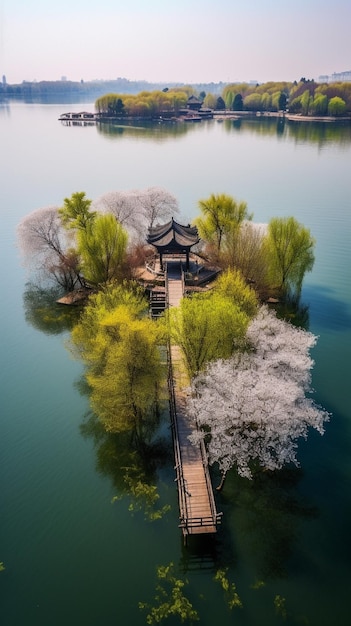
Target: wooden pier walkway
{"x":197,"y":507}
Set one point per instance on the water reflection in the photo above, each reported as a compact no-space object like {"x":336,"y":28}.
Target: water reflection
{"x":43,"y":313}
{"x":267,"y":513}
{"x":321,"y":133}
{"x":154,"y":131}
{"x":134,"y":473}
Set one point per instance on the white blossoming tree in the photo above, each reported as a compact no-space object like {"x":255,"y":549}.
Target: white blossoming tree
{"x":252,"y":408}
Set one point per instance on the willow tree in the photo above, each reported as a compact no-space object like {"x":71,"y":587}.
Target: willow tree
{"x":120,"y":348}
{"x":207,"y":327}
{"x":76,"y":212}
{"x":102,"y":249}
{"x":244,"y":250}
{"x":222,"y":216}
{"x":290,"y":254}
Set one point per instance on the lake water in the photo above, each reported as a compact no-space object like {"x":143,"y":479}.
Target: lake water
{"x":71,"y":556}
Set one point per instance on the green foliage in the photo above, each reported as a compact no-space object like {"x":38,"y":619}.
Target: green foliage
{"x":220,"y":104}
{"x":222,"y":216}
{"x":302,"y":97}
{"x":238,"y":104}
{"x":102,"y":247}
{"x":231,"y":594}
{"x":2,"y":567}
{"x":280,"y":606}
{"x":253,"y":102}
{"x":144,"y":496}
{"x":244,"y":250}
{"x":121,"y":352}
{"x":169,"y":599}
{"x":147,"y":104}
{"x":290,"y":253}
{"x":336,"y":106}
{"x":76,"y":212}
{"x":124,"y":395}
{"x":232,"y":285}
{"x":207,"y":327}
{"x":319,"y":105}
{"x":44,"y":314}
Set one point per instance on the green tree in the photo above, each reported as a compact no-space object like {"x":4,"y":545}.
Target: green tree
{"x":76,"y":212}
{"x":207,"y":327}
{"x":220,"y":104}
{"x":231,"y":284}
{"x":238,"y":104}
{"x":253,"y":102}
{"x":319,"y":105}
{"x":306,"y":101}
{"x":336,"y":106}
{"x":290,"y":253}
{"x":102,"y":248}
{"x":282,"y":101}
{"x":121,"y":351}
{"x":125,"y":394}
{"x":245,"y":251}
{"x":222,"y":215}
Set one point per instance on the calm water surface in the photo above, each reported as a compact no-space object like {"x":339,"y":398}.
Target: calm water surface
{"x":71,"y":556}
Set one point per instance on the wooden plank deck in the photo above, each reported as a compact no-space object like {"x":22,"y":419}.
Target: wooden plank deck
{"x":197,"y":509}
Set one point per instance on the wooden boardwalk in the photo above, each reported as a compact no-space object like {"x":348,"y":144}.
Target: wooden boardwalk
{"x":197,"y":507}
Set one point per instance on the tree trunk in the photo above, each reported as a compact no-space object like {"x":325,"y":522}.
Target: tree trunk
{"x":221,"y":484}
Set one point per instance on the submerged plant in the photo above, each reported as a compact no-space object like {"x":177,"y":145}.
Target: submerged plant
{"x":229,"y":588}
{"x":143,"y":495}
{"x":169,"y":599}
{"x":279,"y":603}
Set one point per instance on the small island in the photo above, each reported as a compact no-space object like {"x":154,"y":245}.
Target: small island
{"x":204,"y":315}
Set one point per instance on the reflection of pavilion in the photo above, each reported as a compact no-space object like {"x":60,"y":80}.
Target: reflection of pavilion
{"x":174,"y":239}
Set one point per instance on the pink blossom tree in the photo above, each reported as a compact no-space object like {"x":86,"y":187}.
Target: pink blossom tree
{"x":252,"y":408}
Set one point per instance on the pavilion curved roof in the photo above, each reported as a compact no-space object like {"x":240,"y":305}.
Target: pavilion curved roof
{"x":173,"y":236}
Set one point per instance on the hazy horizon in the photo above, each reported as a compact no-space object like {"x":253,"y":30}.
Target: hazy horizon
{"x":193,"y":41}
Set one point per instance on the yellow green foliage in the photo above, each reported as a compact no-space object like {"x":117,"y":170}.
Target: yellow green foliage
{"x":120,"y":347}
{"x":207,"y":327}
{"x":170,"y":599}
{"x":231,"y":284}
{"x":229,"y":588}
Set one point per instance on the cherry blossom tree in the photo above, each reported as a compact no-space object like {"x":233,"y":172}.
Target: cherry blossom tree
{"x":252,"y":408}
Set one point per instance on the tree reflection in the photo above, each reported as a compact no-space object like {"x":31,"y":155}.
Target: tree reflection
{"x":43,"y":313}
{"x":144,"y":130}
{"x":133,"y":473}
{"x":268,"y":512}
{"x":320,"y":133}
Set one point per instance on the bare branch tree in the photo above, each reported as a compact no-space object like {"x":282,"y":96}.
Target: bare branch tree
{"x":45,"y":246}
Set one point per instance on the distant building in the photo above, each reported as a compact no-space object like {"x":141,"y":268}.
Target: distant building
{"x":343,"y":77}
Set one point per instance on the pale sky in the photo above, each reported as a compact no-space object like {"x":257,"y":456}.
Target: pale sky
{"x":188,"y":41}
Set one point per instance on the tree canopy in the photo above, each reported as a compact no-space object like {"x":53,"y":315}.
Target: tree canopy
{"x":290,"y":253}
{"x":213,"y":325}
{"x":120,"y":348}
{"x":221,"y":217}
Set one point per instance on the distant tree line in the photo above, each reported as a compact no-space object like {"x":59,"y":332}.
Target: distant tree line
{"x":305,"y":97}
{"x":146,"y":104}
